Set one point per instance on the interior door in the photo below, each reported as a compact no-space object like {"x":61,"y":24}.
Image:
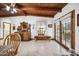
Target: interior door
{"x":6,"y":29}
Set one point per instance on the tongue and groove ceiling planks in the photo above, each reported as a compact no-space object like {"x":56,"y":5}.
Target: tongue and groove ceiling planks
{"x":33,"y":9}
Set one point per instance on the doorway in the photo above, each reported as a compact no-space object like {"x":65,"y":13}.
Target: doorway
{"x":6,"y":29}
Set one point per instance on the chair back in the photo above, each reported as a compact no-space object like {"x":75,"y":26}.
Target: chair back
{"x":13,"y":40}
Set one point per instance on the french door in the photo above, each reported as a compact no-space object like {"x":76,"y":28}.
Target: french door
{"x":66,"y":38}
{"x":65,"y":30}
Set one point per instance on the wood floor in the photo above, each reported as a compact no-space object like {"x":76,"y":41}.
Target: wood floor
{"x":41,"y":48}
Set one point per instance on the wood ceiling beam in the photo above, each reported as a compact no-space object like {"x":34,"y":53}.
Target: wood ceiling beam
{"x":40,"y":15}
{"x":44,"y":8}
{"x":41,"y":7}
{"x":51,"y":5}
{"x":49,"y":9}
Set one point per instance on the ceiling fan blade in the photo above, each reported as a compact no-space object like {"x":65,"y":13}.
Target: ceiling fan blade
{"x":12,"y":5}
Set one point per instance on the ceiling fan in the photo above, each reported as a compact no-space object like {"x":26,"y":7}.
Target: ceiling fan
{"x":10,"y":8}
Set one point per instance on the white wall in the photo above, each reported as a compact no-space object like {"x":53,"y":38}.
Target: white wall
{"x":69,"y":7}
{"x":31,"y":20}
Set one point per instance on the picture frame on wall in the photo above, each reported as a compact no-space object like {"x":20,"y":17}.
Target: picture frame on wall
{"x":49,"y":25}
{"x":77,"y":19}
{"x":13,"y":27}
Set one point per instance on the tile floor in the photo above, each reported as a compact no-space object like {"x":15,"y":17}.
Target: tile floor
{"x":41,"y":48}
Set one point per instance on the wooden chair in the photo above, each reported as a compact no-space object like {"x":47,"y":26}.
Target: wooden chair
{"x":13,"y":40}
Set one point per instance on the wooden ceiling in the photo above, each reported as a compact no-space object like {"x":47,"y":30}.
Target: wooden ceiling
{"x":33,"y":9}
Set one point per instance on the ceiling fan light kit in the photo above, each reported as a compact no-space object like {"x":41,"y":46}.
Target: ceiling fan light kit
{"x":7,"y":8}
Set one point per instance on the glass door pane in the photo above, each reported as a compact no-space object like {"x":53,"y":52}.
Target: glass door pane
{"x":67,"y":33}
{"x":58,"y":31}
{"x":63,"y":32}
